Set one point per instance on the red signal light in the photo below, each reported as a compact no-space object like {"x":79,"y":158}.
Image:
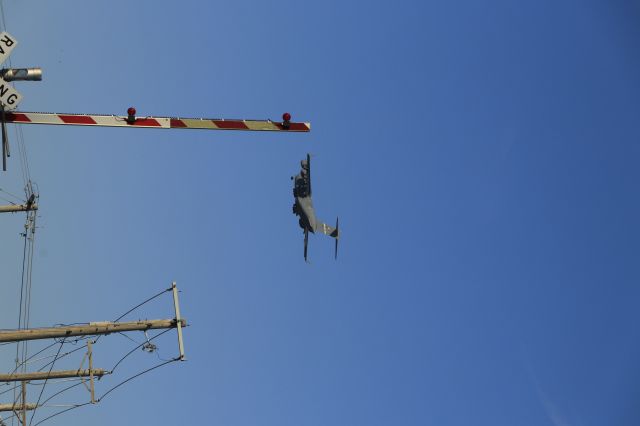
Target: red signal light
{"x":286,"y":120}
{"x":131,"y":115}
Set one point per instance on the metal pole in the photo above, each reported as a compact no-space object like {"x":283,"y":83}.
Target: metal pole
{"x":24,"y":403}
{"x":21,"y":74}
{"x":93,"y":393}
{"x":5,"y":139}
{"x":176,"y":305}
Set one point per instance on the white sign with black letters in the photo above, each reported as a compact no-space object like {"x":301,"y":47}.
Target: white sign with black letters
{"x":9,"y":97}
{"x":7,"y":44}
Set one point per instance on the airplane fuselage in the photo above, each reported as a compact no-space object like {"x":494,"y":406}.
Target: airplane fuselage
{"x":303,"y":206}
{"x":304,"y":209}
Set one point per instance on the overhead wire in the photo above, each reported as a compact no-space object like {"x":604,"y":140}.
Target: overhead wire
{"x":29,"y":238}
{"x":34,"y":355}
{"x":62,"y":412}
{"x":60,"y":357}
{"x":35,"y":408}
{"x":137,"y":375}
{"x":24,"y":159}
{"x":143,"y":303}
{"x":136,"y":348}
{"x":8,"y":201}
{"x":61,"y":392}
{"x":25,"y":291}
{"x":104,"y":395}
{"x":12,"y":195}
{"x":20,"y":345}
{"x":139,"y":305}
{"x":22,"y":358}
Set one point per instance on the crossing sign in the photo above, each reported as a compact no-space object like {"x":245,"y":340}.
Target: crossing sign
{"x":7,"y":44}
{"x":9,"y":97}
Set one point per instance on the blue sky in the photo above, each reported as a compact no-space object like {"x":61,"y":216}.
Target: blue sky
{"x":482,"y":159}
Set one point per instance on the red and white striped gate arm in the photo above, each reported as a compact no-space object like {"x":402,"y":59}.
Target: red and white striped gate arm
{"x":156,"y":122}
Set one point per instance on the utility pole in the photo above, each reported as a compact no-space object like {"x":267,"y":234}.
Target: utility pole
{"x":30,"y":205}
{"x":90,"y":329}
{"x":13,"y":208}
{"x":46,"y":375}
{"x":15,"y":407}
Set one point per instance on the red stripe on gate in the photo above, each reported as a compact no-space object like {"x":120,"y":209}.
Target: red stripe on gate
{"x":148,"y":122}
{"x":300,"y":127}
{"x":297,"y":127}
{"x":177,"y":123}
{"x":228,"y":124}
{"x":77,"y":119}
{"x":18,"y":118}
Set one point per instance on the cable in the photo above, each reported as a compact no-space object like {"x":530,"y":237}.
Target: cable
{"x":137,"y":306}
{"x":25,"y":291}
{"x":28,"y":253}
{"x":124,"y":335}
{"x":13,"y":195}
{"x":8,"y":201}
{"x":34,"y":355}
{"x":136,"y":375}
{"x":60,"y":357}
{"x":35,"y":409}
{"x":137,"y":347}
{"x":20,"y":316}
{"x":61,"y":412}
{"x":59,"y":392}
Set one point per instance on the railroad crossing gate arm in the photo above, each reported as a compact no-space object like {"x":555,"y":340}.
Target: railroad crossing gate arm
{"x":131,"y":120}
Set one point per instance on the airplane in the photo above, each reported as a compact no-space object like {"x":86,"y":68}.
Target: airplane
{"x":303,"y":207}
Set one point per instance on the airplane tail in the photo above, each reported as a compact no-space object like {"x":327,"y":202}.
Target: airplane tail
{"x":337,"y":237}
{"x":330,"y":231}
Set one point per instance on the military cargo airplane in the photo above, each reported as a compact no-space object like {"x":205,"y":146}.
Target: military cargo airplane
{"x":303,"y":207}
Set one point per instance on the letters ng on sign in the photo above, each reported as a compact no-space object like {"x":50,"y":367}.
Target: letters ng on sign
{"x":9,"y":97}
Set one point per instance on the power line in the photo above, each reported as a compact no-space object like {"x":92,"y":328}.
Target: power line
{"x":45,"y":383}
{"x":61,"y":412}
{"x":137,"y":375}
{"x":136,"y":348}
